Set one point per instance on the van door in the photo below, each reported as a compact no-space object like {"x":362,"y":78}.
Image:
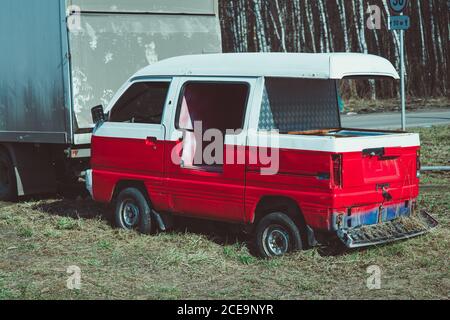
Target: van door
{"x":206,"y":176}
{"x":130,"y":145}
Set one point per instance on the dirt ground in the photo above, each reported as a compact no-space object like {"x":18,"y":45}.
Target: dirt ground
{"x":41,"y":238}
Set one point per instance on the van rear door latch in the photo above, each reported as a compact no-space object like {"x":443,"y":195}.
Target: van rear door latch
{"x":384,"y":189}
{"x":378,"y":152}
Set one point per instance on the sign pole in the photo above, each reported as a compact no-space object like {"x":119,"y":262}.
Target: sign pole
{"x":402,"y":77}
{"x":401,"y":23}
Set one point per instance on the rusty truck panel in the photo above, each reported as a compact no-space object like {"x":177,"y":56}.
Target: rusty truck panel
{"x":52,"y":73}
{"x":109,"y":47}
{"x":34,"y":106}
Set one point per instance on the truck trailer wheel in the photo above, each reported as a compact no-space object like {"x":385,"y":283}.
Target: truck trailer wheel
{"x":276,"y":235}
{"x":8,"y":189}
{"x":133,"y":211}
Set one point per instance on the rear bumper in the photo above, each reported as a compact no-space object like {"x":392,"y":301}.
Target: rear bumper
{"x":353,"y":217}
{"x":390,"y":231}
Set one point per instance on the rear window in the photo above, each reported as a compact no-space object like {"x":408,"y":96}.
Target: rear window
{"x":143,"y":102}
{"x":296,"y":105}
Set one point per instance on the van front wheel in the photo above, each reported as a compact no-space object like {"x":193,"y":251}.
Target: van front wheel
{"x":133,"y":211}
{"x":276,"y":235}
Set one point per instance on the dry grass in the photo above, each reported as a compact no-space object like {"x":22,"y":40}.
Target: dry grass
{"x":393,"y":105}
{"x":40,"y":239}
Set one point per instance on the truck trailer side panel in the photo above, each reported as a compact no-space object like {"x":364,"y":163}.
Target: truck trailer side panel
{"x":34,"y":103}
{"x":60,"y":58}
{"x":110,"y":45}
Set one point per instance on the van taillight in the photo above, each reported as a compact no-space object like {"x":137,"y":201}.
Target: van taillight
{"x":337,"y":170}
{"x":418,"y":164}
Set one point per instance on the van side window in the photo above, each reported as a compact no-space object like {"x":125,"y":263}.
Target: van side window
{"x":143,"y":102}
{"x":297,"y":105}
{"x":215,"y":105}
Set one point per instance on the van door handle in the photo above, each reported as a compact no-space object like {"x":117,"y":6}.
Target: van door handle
{"x":151,"y":142}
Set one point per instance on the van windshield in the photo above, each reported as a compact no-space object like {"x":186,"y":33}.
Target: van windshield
{"x":298,"y":105}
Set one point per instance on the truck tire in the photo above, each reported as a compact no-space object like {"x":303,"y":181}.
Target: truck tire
{"x":133,"y":212}
{"x":8,"y":184}
{"x":276,"y":234}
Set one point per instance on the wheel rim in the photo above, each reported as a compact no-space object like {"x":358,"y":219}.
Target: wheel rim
{"x":4,"y":177}
{"x":276,"y":240}
{"x":129,"y":213}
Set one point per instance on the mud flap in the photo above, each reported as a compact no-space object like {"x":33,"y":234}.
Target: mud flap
{"x":398,"y":229}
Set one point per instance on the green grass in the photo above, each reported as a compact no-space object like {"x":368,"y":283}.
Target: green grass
{"x":66,"y":224}
{"x":435,"y":145}
{"x":40,"y":239}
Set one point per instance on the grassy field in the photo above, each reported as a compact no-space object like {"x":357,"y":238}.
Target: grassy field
{"x":393,"y":105}
{"x":40,"y":239}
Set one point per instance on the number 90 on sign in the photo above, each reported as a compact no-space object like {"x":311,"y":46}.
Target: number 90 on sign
{"x":398,"y":5}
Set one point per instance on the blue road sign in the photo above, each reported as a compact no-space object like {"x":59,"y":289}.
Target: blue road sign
{"x":398,"y":5}
{"x":399,"y":22}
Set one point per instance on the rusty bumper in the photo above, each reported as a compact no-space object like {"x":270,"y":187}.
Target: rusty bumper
{"x":398,"y":229}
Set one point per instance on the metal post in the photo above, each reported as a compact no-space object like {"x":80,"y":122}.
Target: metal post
{"x":402,"y":77}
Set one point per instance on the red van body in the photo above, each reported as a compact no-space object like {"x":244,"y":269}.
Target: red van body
{"x":331,"y":189}
{"x":327,"y":178}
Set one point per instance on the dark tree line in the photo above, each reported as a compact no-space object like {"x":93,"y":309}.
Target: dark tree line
{"x":341,"y":25}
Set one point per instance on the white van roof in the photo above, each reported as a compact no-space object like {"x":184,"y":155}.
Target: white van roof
{"x":292,"y":65}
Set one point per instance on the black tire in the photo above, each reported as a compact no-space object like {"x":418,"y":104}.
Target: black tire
{"x":8,"y":184}
{"x":276,"y":235}
{"x":133,"y":212}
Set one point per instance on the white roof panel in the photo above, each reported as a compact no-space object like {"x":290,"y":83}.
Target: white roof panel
{"x":294,"y":65}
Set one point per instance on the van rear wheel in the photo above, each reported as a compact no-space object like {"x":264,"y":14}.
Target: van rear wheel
{"x":133,"y":211}
{"x":277,"y":235}
{"x":8,"y":189}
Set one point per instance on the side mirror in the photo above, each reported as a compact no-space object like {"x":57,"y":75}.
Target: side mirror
{"x":98,"y":114}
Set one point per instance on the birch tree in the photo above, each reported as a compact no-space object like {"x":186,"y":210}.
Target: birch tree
{"x":343,"y":17}
{"x":297,"y":26}
{"x":278,"y":26}
{"x":310,"y":23}
{"x":422,"y":34}
{"x":260,"y":27}
{"x":326,"y":25}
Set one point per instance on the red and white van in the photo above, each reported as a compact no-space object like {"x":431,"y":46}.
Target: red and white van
{"x":254,"y":139}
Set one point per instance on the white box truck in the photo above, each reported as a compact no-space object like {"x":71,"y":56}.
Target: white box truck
{"x":60,"y":58}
